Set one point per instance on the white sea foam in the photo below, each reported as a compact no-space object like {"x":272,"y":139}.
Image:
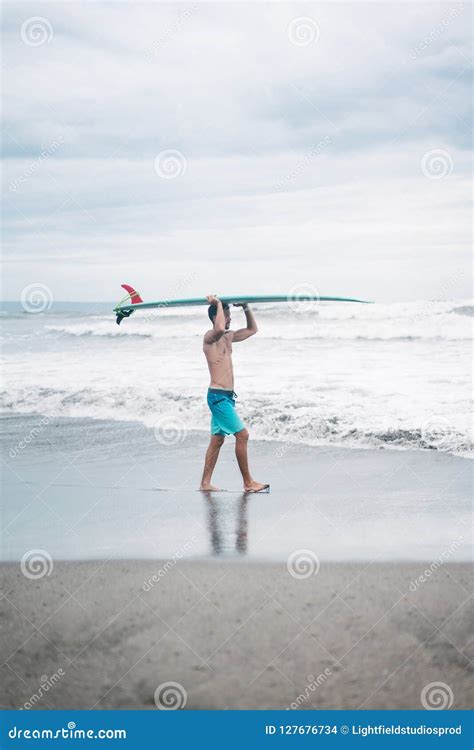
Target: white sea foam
{"x":396,"y":376}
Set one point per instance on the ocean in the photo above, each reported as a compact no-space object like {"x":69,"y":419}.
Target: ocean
{"x":394,"y":376}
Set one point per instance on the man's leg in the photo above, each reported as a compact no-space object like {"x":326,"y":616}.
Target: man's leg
{"x":241,"y":441}
{"x":212,"y":455}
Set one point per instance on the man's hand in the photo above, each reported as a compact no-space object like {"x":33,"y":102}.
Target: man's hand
{"x":243,"y":305}
{"x":212,"y":299}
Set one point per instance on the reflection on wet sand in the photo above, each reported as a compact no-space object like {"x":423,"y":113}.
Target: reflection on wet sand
{"x":227,"y":519}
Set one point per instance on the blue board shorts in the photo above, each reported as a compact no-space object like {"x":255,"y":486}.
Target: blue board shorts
{"x":224,"y":420}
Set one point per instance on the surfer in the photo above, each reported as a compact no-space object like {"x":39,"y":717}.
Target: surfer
{"x":217,"y":347}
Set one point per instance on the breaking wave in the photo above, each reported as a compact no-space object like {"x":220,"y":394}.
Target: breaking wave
{"x":289,"y":423}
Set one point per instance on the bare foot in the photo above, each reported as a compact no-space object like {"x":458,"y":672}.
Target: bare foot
{"x":209,"y":488}
{"x":256,"y":487}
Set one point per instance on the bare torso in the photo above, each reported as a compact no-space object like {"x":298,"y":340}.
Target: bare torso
{"x":219,"y":361}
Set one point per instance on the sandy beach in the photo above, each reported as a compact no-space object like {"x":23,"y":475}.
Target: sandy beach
{"x":235,"y":635}
{"x":348,"y":586}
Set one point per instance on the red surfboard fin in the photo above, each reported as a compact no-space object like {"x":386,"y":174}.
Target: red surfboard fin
{"x":134,"y":298}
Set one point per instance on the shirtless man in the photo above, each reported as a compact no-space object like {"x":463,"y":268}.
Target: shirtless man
{"x":217,"y":347}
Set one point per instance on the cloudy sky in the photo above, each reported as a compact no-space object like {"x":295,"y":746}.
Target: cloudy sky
{"x":237,"y":147}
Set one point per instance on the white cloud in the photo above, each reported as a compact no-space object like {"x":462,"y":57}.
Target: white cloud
{"x":223,"y":84}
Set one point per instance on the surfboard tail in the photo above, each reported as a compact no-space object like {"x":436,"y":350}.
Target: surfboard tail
{"x":133,"y":297}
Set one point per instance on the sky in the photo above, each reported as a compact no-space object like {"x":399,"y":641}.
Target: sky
{"x":194,"y":147}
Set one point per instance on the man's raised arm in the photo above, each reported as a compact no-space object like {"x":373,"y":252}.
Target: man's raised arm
{"x":251,"y":329}
{"x":219,"y":321}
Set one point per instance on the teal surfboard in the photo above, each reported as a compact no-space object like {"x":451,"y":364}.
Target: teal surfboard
{"x":133,"y":301}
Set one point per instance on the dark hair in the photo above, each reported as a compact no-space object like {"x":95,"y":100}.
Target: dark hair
{"x":212,"y":310}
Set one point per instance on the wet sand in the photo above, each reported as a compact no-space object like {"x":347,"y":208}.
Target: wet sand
{"x":84,"y":489}
{"x":347,"y":586}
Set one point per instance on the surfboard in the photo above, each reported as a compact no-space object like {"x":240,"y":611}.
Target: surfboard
{"x":133,"y":301}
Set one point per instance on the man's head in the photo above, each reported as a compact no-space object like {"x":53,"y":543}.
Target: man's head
{"x":212,"y":312}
